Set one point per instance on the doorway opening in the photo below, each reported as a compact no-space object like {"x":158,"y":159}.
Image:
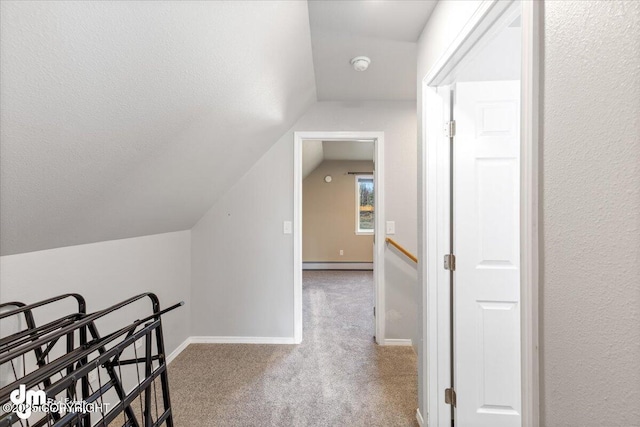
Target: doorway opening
{"x":338,"y":205}
{"x":343,"y":211}
{"x":479,"y":303}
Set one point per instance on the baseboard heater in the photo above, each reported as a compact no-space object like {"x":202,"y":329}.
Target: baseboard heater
{"x":318,"y":265}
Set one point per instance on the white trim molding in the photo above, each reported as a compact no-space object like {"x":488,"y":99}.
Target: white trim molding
{"x":227,"y":340}
{"x":477,"y":24}
{"x":178,"y":350}
{"x":419,"y":418}
{"x":398,"y":342}
{"x":368,"y":266}
{"x":435,"y":243}
{"x":379,"y":246}
{"x":358,"y":231}
{"x":242,"y":340}
{"x":532,"y":24}
{"x":433,"y":215}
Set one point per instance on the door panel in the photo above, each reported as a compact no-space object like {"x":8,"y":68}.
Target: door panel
{"x":496,"y":222}
{"x":486,"y":244}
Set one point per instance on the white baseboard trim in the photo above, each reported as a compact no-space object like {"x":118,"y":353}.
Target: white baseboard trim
{"x":400,"y":342}
{"x":337,"y":266}
{"x":419,"y":417}
{"x":242,"y":340}
{"x":178,"y":350}
{"x":256,"y":340}
{"x":228,"y":340}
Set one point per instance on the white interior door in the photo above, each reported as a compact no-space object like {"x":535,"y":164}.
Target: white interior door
{"x":486,"y":244}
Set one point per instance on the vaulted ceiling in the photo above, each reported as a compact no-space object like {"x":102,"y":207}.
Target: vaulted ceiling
{"x":123,"y":119}
{"x":314,"y":152}
{"x":385,"y":31}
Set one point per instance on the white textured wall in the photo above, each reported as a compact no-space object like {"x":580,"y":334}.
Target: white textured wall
{"x":106,"y":273}
{"x":590,"y":290}
{"x":243,"y":264}
{"x":445,"y":23}
{"x":590,"y":295}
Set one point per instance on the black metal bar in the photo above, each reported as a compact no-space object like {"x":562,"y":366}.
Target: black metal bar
{"x":84,"y":382}
{"x":70,"y":416}
{"x":160,"y":313}
{"x":70,"y":345}
{"x":12,"y":303}
{"x":27,"y":312}
{"x":128,"y":399}
{"x":136,"y":361}
{"x":75,"y":364}
{"x":82,"y":322}
{"x":32,"y":333}
{"x":147,"y":373}
{"x":164,"y":377}
{"x":46,"y":352}
{"x":58,"y":365}
{"x":120,"y":392}
{"x":105,"y":358}
{"x":82,"y":307}
{"x":15,"y":340}
{"x":164,"y":417}
{"x":83,"y":371}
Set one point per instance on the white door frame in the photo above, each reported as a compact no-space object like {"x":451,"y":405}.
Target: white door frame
{"x":434,"y":208}
{"x":378,"y":253}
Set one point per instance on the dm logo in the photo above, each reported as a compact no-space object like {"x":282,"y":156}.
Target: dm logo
{"x":26,"y":400}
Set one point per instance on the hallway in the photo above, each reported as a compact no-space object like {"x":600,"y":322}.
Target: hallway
{"x":336,"y":377}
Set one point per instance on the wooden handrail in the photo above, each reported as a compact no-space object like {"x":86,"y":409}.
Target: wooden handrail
{"x":401,"y":249}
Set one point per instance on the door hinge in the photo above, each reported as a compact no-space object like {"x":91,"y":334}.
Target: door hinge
{"x":450,"y":262}
{"x":450,"y":129}
{"x":450,"y":396}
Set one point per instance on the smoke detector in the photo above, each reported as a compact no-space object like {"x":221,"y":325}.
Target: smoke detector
{"x":360,"y":63}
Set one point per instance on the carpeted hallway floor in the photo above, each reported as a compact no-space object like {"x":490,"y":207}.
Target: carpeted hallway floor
{"x":336,"y":377}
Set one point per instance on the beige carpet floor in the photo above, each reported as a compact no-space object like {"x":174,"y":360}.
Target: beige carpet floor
{"x":336,"y":377}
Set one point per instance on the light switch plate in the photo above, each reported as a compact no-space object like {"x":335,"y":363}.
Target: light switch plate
{"x":287,"y":227}
{"x":391,"y":227}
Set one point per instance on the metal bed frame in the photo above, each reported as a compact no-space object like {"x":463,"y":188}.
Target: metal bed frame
{"x":86,"y":352}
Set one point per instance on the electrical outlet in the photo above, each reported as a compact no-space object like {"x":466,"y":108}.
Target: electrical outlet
{"x":139,"y":344}
{"x":93,"y":376}
{"x":341,"y":252}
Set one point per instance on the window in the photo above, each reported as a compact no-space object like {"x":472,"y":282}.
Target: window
{"x":364,"y":204}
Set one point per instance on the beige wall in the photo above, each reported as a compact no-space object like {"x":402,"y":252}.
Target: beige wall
{"x":329,"y":214}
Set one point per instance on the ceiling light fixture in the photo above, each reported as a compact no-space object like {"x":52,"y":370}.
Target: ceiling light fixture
{"x":360,"y":63}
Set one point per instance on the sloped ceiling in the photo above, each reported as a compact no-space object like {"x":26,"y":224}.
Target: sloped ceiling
{"x":314,"y":152}
{"x":385,"y":31}
{"x":312,"y":156}
{"x":122,"y":119}
{"x":348,"y":150}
